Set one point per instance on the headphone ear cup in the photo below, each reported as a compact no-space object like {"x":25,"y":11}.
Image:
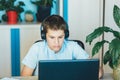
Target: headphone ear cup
{"x":67,"y":33}
{"x":43,"y":35}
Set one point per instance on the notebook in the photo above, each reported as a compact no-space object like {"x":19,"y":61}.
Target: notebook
{"x":83,"y":69}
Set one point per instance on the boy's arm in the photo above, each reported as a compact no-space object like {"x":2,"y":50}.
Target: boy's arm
{"x":26,"y":71}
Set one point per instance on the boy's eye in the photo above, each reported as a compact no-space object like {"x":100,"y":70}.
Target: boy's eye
{"x":51,"y":37}
{"x":61,"y":37}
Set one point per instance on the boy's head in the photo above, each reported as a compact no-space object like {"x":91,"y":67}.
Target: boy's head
{"x":54,"y":22}
{"x":54,"y":29}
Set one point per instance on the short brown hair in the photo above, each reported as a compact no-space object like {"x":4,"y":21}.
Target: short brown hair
{"x":54,"y":22}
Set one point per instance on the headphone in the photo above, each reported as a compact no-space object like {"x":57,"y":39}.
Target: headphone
{"x":43,"y":33}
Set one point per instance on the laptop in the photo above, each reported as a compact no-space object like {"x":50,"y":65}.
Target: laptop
{"x":82,"y":69}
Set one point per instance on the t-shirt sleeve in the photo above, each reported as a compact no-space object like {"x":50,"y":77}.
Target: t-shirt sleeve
{"x":30,"y":59}
{"x":79,"y":52}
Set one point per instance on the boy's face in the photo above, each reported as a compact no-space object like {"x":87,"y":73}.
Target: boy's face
{"x":55,"y":39}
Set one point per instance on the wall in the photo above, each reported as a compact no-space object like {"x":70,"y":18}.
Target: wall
{"x":5,"y":52}
{"x":83,"y":17}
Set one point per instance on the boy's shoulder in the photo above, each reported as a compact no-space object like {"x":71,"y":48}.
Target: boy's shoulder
{"x":70,"y":42}
{"x":40,"y":43}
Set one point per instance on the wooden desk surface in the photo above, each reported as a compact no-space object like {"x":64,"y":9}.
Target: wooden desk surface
{"x":107,"y":76}
{"x":27,"y":78}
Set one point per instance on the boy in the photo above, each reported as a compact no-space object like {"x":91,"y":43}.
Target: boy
{"x":54,"y":32}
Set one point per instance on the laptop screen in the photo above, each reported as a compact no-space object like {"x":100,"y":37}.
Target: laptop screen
{"x":82,"y":69}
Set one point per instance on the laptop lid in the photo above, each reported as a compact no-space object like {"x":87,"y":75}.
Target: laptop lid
{"x":83,"y":69}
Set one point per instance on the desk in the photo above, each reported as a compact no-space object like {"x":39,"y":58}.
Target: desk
{"x":27,"y":78}
{"x":107,"y":76}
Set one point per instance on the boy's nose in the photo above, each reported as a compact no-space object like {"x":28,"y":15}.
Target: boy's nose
{"x":56,"y":41}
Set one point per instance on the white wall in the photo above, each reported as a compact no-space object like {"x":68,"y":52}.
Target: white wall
{"x":5,"y":52}
{"x":83,"y":17}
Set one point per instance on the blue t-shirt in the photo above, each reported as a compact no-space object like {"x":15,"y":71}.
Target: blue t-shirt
{"x":41,"y":51}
